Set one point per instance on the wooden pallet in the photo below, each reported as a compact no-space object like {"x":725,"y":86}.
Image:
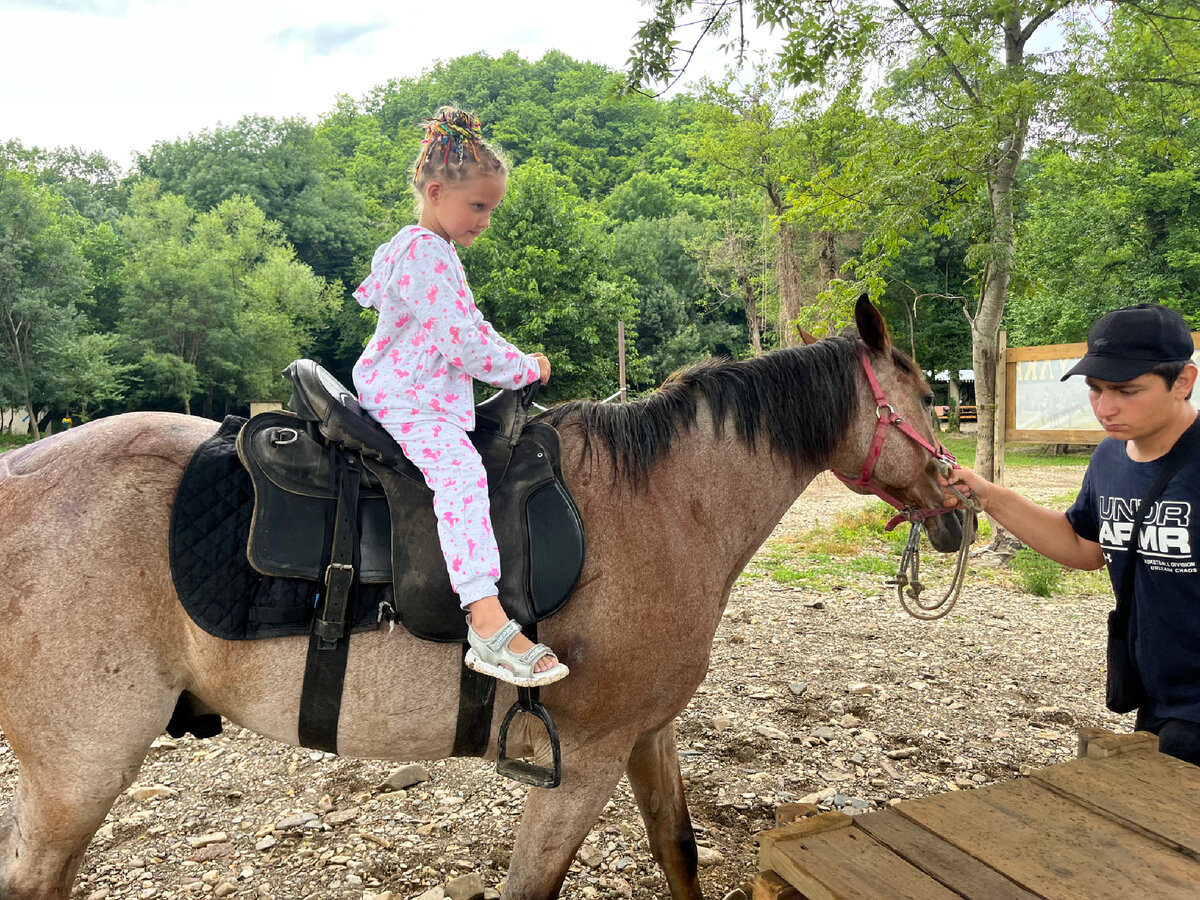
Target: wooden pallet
{"x":1122,"y":821}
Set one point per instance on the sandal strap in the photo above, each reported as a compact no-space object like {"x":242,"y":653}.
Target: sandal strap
{"x":500,"y":640}
{"x":534,"y":653}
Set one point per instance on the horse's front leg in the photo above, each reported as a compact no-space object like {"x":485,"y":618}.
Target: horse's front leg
{"x":556,"y":821}
{"x":658,"y":788}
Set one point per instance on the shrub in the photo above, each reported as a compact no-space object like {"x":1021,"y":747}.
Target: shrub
{"x":1035,"y":573}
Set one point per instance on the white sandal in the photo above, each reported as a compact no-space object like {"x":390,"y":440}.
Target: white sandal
{"x":492,"y":656}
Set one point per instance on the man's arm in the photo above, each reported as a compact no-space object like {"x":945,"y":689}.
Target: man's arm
{"x":1046,"y":531}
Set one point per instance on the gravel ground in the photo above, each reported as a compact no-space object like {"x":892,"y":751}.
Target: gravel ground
{"x":839,"y":699}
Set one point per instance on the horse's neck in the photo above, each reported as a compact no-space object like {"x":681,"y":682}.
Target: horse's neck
{"x":728,"y":496}
{"x":744,"y":492}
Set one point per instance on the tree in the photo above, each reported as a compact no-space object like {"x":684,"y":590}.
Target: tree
{"x":544,"y":277}
{"x":42,"y":275}
{"x":1114,"y":206}
{"x":283,"y":167}
{"x":215,"y":302}
{"x":747,"y":148}
{"x":964,"y":92}
{"x":680,"y":316}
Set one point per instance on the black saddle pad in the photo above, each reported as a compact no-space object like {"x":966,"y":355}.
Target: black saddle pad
{"x":221,"y":591}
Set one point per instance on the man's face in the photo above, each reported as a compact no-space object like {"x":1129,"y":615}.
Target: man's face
{"x":1132,"y":410}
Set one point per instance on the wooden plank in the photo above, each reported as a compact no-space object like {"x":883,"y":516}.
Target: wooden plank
{"x":1061,"y":351}
{"x":769,"y":886}
{"x":1105,"y":745}
{"x":1000,"y":412}
{"x":769,"y":840}
{"x":942,"y":861}
{"x":1048,"y":351}
{"x":1153,"y":794}
{"x":1032,"y":436}
{"x":847,"y":864}
{"x":1052,"y":846}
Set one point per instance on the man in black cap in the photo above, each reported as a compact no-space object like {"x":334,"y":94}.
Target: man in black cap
{"x":1140,"y":375}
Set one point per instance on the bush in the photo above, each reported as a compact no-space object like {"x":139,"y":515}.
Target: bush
{"x":1035,"y":573}
{"x":8,"y":441}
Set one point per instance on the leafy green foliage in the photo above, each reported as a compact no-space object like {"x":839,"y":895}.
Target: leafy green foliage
{"x":41,"y":277}
{"x":215,"y":302}
{"x":544,"y":276}
{"x":710,"y":223}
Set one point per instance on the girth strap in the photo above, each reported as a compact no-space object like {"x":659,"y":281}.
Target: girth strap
{"x":329,"y":643}
{"x":476,"y":698}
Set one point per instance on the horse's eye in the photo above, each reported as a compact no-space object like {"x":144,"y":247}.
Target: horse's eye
{"x":928,"y":401}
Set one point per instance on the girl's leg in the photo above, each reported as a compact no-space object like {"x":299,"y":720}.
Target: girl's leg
{"x":454,"y":472}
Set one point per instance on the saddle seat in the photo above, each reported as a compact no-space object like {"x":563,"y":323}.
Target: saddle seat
{"x":319,"y":397}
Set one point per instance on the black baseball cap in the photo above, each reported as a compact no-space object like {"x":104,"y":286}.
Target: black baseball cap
{"x":1129,"y":342}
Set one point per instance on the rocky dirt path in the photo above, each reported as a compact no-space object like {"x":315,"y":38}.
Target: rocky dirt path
{"x":839,"y":699}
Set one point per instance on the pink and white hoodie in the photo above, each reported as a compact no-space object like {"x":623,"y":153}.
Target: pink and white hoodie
{"x":431,"y":340}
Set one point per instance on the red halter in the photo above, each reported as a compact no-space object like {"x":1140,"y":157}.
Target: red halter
{"x":887,"y":418}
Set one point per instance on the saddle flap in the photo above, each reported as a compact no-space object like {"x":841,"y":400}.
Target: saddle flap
{"x":294,"y":494}
{"x":536,"y":524}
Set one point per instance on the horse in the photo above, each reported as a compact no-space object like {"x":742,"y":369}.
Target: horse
{"x":677,"y":492}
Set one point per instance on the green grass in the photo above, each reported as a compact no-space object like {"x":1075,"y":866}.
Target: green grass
{"x":1036,"y":574}
{"x":854,"y":544}
{"x":963,"y":448}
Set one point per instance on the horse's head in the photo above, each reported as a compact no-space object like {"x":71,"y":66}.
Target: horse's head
{"x":890,"y":448}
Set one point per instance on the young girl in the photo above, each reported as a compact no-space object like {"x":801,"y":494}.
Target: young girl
{"x":415,"y":377}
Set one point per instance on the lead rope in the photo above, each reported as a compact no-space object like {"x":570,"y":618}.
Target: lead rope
{"x":908,"y":577}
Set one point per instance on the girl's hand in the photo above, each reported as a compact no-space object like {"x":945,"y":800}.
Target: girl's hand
{"x":543,"y":365}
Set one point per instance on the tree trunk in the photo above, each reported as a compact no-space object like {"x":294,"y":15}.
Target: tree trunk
{"x":828,"y":267}
{"x":787,"y":274}
{"x":33,"y":423}
{"x":751,"y":307}
{"x":985,"y":325}
{"x":787,"y":271}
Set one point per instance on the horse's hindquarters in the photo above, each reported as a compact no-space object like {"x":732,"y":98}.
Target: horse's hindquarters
{"x":92,"y":652}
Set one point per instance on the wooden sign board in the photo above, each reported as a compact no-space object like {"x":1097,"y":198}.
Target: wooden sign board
{"x":1040,"y":408}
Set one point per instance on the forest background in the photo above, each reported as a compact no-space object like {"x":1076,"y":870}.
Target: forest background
{"x":923,"y":154}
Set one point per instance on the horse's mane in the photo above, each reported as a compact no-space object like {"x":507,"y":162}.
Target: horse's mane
{"x":801,"y":400}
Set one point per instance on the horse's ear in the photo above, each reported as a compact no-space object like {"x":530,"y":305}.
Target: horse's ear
{"x":807,"y":337}
{"x":871,"y":327}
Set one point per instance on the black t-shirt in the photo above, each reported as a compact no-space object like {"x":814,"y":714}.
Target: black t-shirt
{"x":1165,"y":621}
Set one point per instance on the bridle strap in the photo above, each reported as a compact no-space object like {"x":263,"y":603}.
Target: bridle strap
{"x":886,"y":419}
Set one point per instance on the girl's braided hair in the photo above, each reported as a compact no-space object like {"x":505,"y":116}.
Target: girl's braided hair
{"x":454,"y":148}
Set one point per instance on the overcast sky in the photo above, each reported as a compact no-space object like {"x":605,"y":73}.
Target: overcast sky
{"x":118,"y":75}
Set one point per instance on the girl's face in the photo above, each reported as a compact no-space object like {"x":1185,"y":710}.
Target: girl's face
{"x":461,"y":210}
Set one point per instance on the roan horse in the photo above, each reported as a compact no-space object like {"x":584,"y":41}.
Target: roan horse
{"x":677,"y":493}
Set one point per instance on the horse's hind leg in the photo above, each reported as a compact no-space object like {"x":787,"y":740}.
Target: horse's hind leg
{"x":657,"y":785}
{"x":65,"y":788}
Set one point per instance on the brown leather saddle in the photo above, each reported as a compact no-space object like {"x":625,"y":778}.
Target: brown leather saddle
{"x":336,"y":501}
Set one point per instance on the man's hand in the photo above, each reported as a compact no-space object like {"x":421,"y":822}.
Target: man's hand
{"x":967,"y":483}
{"x":1045,"y":530}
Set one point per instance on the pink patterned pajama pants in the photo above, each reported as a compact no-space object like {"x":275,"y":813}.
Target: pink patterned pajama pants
{"x":455,"y":473}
